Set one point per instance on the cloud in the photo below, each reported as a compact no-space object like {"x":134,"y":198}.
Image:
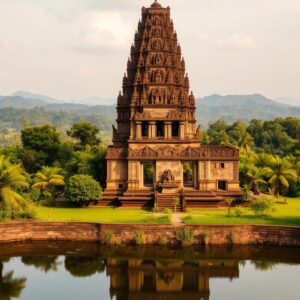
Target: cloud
{"x":119,"y":5}
{"x":237,"y":41}
{"x":106,"y":33}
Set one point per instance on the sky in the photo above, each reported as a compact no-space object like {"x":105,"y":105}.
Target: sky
{"x":71,"y":49}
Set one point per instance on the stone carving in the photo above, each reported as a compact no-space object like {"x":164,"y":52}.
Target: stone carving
{"x":167,"y":176}
{"x":188,"y":153}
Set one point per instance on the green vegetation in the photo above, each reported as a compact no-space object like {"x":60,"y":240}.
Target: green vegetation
{"x":103,"y":215}
{"x":12,"y":204}
{"x":139,"y":237}
{"x":47,"y":180}
{"x":269,"y":151}
{"x":185,"y":236}
{"x":262,"y":207}
{"x":83,"y":189}
{"x":85,"y":132}
{"x":285,"y":214}
{"x":108,"y":237}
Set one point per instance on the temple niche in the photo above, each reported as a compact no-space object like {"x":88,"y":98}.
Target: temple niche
{"x":157,"y":153}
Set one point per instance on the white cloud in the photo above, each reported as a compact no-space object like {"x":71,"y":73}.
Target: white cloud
{"x":237,"y":41}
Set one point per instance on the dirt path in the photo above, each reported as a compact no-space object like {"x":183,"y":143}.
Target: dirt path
{"x":176,"y":219}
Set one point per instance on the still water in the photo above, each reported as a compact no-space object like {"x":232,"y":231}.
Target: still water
{"x":65,"y":271}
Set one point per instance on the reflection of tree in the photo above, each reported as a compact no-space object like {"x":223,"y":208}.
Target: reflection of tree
{"x":263,"y":265}
{"x":84,"y":266}
{"x":44,"y":263}
{"x":10,"y":287}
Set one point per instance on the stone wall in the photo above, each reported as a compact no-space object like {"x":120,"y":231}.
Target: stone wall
{"x":124,"y":233}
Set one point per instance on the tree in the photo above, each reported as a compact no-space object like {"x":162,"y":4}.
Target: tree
{"x":246,"y":192}
{"x":12,"y":178}
{"x":48,"y":179}
{"x":85,"y":132}
{"x":83,"y":189}
{"x":84,"y":266}
{"x":44,"y":142}
{"x":255,"y":176}
{"x":44,"y":263}
{"x":280,"y":173}
{"x":10,"y":287}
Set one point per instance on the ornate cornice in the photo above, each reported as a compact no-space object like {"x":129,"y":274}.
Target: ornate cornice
{"x":175,"y":153}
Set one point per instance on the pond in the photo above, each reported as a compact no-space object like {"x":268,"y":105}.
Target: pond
{"x":90,"y":271}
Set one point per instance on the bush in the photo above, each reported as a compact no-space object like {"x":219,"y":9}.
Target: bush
{"x":83,"y":189}
{"x":185,"y":236}
{"x":162,"y":240}
{"x":262,"y":207}
{"x":238,"y":212}
{"x":35,"y":194}
{"x":108,"y":237}
{"x":139,"y":237}
{"x":205,"y":236}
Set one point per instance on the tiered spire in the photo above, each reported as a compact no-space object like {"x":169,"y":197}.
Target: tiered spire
{"x":155,"y":69}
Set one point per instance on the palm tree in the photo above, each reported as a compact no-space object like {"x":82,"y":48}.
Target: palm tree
{"x":49,"y":178}
{"x":280,"y":173}
{"x":10,"y":287}
{"x":246,"y":192}
{"x":246,"y":142}
{"x":255,"y":176}
{"x":12,"y":177}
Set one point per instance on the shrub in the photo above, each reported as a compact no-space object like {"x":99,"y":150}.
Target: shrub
{"x":162,"y":240}
{"x":185,"y":236}
{"x":108,"y":237}
{"x":139,"y":237}
{"x":238,"y":212}
{"x":262,"y":207}
{"x":83,"y":189}
{"x":167,"y":211}
{"x":35,"y":194}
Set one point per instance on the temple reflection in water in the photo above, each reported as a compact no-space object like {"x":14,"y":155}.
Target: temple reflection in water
{"x":147,"y":279}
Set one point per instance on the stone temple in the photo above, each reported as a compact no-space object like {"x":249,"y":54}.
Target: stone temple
{"x":157,"y":154}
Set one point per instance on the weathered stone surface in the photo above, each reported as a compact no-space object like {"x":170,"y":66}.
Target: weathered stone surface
{"x":124,"y":233}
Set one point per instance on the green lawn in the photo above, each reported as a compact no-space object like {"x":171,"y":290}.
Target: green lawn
{"x":99,"y":215}
{"x":286,"y":214}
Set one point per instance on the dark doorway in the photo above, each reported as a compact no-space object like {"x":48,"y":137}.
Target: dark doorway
{"x":148,"y":173}
{"x":160,"y":129}
{"x":145,"y":129}
{"x":222,"y":185}
{"x":175,"y":129}
{"x":188,"y":173}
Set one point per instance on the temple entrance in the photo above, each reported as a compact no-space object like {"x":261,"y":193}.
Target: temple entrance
{"x":189,"y":173}
{"x":148,"y":173}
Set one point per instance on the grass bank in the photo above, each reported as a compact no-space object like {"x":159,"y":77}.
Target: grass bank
{"x":100,"y":215}
{"x":286,"y":214}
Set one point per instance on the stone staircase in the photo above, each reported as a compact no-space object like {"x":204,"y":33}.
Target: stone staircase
{"x":164,"y":201}
{"x":137,"y":199}
{"x":202,"y":199}
{"x":110,"y":198}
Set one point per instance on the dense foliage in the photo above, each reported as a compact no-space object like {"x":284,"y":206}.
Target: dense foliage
{"x":83,"y":189}
{"x":269,"y":151}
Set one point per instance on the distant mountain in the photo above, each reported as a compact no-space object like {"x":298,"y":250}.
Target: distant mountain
{"x":95,"y":101}
{"x":243,"y":107}
{"x":29,"y":95}
{"x":288,"y":100}
{"x":20,"y":102}
{"x":229,"y":108}
{"x":90,"y":101}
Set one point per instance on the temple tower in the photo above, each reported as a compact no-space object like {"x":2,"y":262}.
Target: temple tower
{"x":157,"y":153}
